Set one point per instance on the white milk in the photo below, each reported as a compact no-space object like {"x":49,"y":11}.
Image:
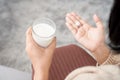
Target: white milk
{"x":43,"y":34}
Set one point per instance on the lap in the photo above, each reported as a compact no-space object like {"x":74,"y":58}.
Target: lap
{"x":68,"y":58}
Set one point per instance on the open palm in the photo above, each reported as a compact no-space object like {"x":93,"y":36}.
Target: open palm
{"x":90,"y":37}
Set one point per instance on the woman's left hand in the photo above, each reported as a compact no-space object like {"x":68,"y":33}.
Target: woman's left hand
{"x":90,"y":37}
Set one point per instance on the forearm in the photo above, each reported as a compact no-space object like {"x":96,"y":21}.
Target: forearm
{"x":40,"y":74}
{"x":101,"y":53}
{"x":41,"y":68}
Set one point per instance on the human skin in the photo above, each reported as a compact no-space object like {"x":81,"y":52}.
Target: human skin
{"x":92,"y":38}
{"x":40,"y":57}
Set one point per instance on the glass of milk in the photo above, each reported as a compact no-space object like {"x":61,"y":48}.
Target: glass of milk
{"x":43,"y":31}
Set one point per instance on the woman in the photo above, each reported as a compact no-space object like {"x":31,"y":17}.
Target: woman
{"x":92,"y":38}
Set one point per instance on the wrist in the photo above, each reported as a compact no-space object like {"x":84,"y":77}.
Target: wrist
{"x":43,"y":64}
{"x":41,"y":68}
{"x":101,"y":53}
{"x":41,"y":74}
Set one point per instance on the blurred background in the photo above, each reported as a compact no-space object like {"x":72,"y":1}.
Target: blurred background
{"x":17,"y":15}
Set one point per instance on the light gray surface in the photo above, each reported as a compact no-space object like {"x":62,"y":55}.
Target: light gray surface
{"x":16,"y":15}
{"x":12,"y":74}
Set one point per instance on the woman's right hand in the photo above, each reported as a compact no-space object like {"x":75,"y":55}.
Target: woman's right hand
{"x":40,"y":57}
{"x":90,"y":37}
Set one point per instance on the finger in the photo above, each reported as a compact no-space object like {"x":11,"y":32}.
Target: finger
{"x":81,"y":32}
{"x":75,"y":15}
{"x":71,"y":28}
{"x":28,"y":35}
{"x":70,"y":19}
{"x":98,"y":22}
{"x":53,"y":44}
{"x":28,"y":31}
{"x":83,"y":24}
{"x":78,"y":18}
{"x":29,"y":39}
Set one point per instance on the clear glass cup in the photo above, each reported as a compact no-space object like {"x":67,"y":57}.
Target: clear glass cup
{"x":43,"y":31}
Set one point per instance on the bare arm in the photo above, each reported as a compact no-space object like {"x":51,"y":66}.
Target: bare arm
{"x":101,"y":53}
{"x":92,"y":38}
{"x":40,"y":57}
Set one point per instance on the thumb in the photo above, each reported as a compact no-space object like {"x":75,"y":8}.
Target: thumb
{"x":28,"y":36}
{"x":52,"y":45}
{"x":98,"y":22}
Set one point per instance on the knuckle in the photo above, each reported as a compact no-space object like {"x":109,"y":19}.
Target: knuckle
{"x":27,"y":49}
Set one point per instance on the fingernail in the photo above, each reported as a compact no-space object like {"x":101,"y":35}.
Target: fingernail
{"x":67,"y":24}
{"x":73,"y":13}
{"x":96,"y":16}
{"x":67,"y":14}
{"x":67,"y":18}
